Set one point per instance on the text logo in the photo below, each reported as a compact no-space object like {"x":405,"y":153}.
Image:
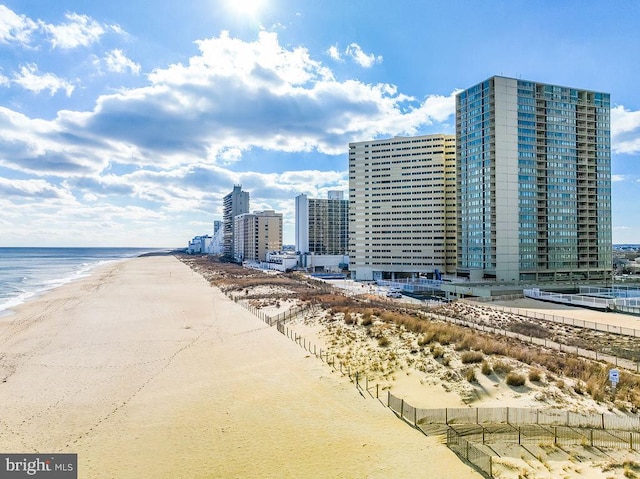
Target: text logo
{"x":39,"y":466}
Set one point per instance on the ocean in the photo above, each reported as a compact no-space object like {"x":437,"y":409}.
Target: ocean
{"x":28,"y":272}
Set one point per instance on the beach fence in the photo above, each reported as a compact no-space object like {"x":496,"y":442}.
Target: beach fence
{"x":357,"y":377}
{"x":510,"y":416}
{"x":470,"y":432}
{"x":272,"y":320}
{"x":578,"y":323}
{"x":626,"y":358}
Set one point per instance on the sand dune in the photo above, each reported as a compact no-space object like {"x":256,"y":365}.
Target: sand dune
{"x":146,"y":371}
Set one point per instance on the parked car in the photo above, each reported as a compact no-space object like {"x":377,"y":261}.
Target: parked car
{"x":394,"y":294}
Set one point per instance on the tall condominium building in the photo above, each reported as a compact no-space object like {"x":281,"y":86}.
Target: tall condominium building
{"x":534,"y":182}
{"x":322,"y":225}
{"x":234,"y":204}
{"x":402,"y":194}
{"x":217,"y":245}
{"x":256,"y":234}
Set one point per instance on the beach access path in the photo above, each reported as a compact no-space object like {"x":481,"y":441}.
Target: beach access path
{"x":146,"y":371}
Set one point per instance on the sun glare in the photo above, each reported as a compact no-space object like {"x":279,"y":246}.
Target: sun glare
{"x":246,"y":7}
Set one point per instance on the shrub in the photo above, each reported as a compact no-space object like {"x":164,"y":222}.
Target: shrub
{"x":446,"y":360}
{"x":595,"y":389}
{"x":472,"y":357}
{"x":502,"y":367}
{"x":527,"y":328}
{"x":348,"y":319}
{"x":535,"y":375}
{"x":383,"y":342}
{"x":486,"y":368}
{"x":465,"y":343}
{"x":437,"y":352}
{"x":515,"y":379}
{"x":470,"y":375}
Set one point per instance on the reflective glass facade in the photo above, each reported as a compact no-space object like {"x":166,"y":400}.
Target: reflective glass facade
{"x":534,"y":182}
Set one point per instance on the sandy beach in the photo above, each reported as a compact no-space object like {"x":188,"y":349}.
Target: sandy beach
{"x":146,"y":371}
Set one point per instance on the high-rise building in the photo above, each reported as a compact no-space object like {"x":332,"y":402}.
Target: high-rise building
{"x":217,"y":245}
{"x":402,"y":194}
{"x":256,"y":234}
{"x":234,"y":204}
{"x":534,"y":182}
{"x":322,"y":225}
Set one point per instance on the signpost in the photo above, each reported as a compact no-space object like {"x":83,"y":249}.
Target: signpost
{"x":614,"y":377}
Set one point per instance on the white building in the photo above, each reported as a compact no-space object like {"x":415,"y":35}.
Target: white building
{"x":322,"y":232}
{"x":217,"y":246}
{"x":322,"y":225}
{"x":281,"y":261}
{"x":200,"y":245}
{"x":402,"y":213}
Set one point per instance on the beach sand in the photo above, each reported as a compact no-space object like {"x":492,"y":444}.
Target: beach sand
{"x":146,"y":371}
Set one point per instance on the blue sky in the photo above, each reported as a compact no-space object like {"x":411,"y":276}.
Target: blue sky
{"x":124,"y":123}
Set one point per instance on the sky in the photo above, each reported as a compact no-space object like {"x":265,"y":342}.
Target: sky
{"x":124,"y":123}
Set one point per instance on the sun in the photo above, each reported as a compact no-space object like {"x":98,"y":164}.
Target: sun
{"x":249,"y":8}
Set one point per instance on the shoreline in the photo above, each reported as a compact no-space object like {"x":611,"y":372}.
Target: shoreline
{"x":74,"y":271}
{"x":145,"y":360}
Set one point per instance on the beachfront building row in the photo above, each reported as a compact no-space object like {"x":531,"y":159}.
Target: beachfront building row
{"x":521,"y":193}
{"x":257,"y":234}
{"x":402,"y":207}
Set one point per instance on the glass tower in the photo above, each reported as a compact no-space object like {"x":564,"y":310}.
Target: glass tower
{"x":534,"y":182}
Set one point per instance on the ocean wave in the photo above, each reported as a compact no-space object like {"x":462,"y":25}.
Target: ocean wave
{"x":31,"y":276}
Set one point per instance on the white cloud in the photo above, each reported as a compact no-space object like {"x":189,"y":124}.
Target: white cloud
{"x":625,"y":130}
{"x":14,"y":27}
{"x":617,"y":178}
{"x":79,"y":30}
{"x":355,"y":53}
{"x":116,"y":61}
{"x":179,"y":137}
{"x":237,"y":95}
{"x":44,"y":147}
{"x":334,"y":53}
{"x":30,"y":79}
{"x":33,"y":188}
{"x":366,"y":60}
